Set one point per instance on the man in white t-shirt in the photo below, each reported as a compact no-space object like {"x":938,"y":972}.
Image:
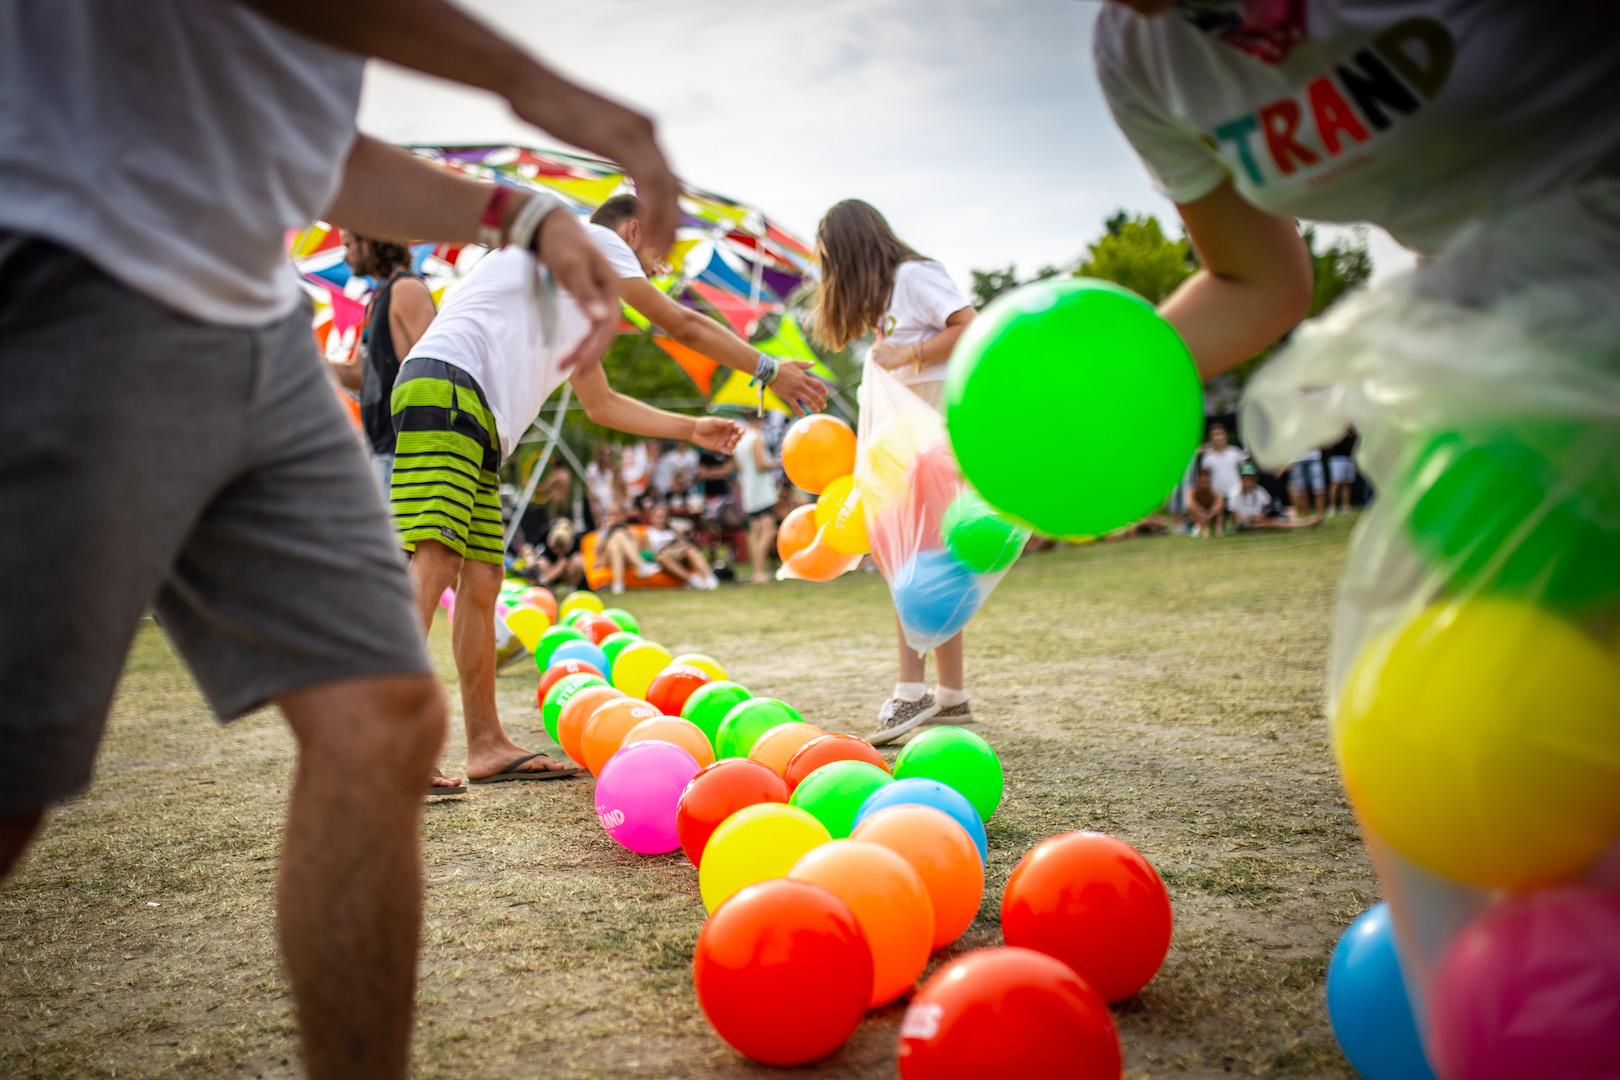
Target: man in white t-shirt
{"x":678,"y":459}
{"x":467,"y":392}
{"x":1222,"y":459}
{"x":162,"y":387}
{"x":617,"y":227}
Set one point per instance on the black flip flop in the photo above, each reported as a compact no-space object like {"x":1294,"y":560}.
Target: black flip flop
{"x":511,"y":772}
{"x":436,"y":789}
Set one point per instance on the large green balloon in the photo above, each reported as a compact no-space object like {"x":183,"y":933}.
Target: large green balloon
{"x":957,"y":758}
{"x":561,"y":690}
{"x":1530,"y":509}
{"x":833,"y":794}
{"x":747,"y":721}
{"x":1073,"y":406}
{"x":613,"y":644}
{"x":978,"y":537}
{"x":625,"y":620}
{"x":553,"y":637}
{"x":710,"y":703}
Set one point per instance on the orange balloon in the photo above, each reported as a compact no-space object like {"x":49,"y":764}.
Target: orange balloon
{"x":944,"y":856}
{"x":683,"y":733}
{"x":542,"y":598}
{"x":796,"y":532}
{"x":607,"y":727}
{"x":781,"y":742}
{"x":890,"y":902}
{"x":819,"y":562}
{"x":576,"y":714}
{"x":817,"y":450}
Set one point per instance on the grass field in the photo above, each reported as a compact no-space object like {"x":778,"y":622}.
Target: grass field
{"x":1165,"y":690}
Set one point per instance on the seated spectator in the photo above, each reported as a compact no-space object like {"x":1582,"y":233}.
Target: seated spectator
{"x":675,"y":555}
{"x":1252,"y":506}
{"x":617,"y":549}
{"x":1222,"y":460}
{"x":677,"y":458}
{"x":1206,"y":507}
{"x":558,"y":563}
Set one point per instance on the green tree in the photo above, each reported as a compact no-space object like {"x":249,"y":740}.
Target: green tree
{"x":1135,"y":253}
{"x":989,"y":284}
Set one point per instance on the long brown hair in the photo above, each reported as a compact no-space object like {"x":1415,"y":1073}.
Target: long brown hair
{"x":859,"y":253}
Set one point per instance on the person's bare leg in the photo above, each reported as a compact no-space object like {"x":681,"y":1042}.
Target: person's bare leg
{"x":696,"y":564}
{"x":948,"y":664}
{"x":433,"y":569}
{"x":349,"y":899}
{"x":913,"y":664}
{"x":675,"y":566}
{"x":15,"y":836}
{"x":473,"y":638}
{"x":759,"y":540}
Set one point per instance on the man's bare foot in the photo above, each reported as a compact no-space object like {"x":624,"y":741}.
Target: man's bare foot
{"x":508,"y":760}
{"x":440,"y":784}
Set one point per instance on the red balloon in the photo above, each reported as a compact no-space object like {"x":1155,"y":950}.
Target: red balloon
{"x":555,"y":674}
{"x":717,"y":792}
{"x":597,"y":627}
{"x":1008,"y":1013}
{"x":1096,"y":904}
{"x":828,"y":748}
{"x":671,"y":687}
{"x":933,"y":484}
{"x":783,"y":972}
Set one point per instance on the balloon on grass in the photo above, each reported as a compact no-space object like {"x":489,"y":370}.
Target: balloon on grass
{"x":540,"y":597}
{"x":1008,"y":1013}
{"x":637,"y":665}
{"x":671,"y":687}
{"x":706,"y":664}
{"x":755,"y":843}
{"x":549,"y":641}
{"x":559,"y":671}
{"x":638,"y":792}
{"x":598,"y":628}
{"x":1368,"y":1006}
{"x":559,"y":695}
{"x":816,"y":450}
{"x":835,"y":792}
{"x":710,"y":703}
{"x":614,"y":644}
{"x":1096,"y":904}
{"x":573,"y":716}
{"x":747,"y":721}
{"x":958,"y":757}
{"x":528,"y":624}
{"x":827,"y":749}
{"x":778,"y":745}
{"x":580,"y":600}
{"x":782,"y":972}
{"x":625,"y":620}
{"x":672,"y":729}
{"x":716,"y":793}
{"x":606,"y":729}
{"x":944,"y":857}
{"x":890,"y":902}
{"x":1477,"y":739}
{"x":584,"y":649}
{"x":1119,"y":413}
{"x":921,"y":791}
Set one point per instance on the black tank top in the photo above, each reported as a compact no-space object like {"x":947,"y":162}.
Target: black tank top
{"x":381,"y":369}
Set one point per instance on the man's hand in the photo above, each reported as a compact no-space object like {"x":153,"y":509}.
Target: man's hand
{"x":578,"y":266}
{"x":714,"y":433}
{"x":803,"y":392}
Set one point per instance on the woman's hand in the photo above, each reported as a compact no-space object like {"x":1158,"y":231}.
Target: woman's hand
{"x":714,"y":433}
{"x":888,"y":355}
{"x":803,"y":392}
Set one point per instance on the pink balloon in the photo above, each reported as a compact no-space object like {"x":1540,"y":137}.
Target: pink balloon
{"x":639,"y":791}
{"x":1531,"y":988}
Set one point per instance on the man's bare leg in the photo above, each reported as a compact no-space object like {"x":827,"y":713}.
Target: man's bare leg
{"x":433,"y":569}
{"x":15,"y":836}
{"x":473,"y":636}
{"x":350,"y":893}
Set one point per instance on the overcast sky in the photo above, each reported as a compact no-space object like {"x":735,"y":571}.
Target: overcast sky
{"x":976,"y":126}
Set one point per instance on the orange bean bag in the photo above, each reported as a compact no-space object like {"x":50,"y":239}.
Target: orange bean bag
{"x":598,"y":578}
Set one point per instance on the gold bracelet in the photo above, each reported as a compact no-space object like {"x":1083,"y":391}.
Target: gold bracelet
{"x":916,"y":359}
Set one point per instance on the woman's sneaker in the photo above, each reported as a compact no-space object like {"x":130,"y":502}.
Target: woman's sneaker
{"x":898,"y":717}
{"x":953,"y":714}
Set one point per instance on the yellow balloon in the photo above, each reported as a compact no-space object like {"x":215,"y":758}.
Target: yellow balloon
{"x":579,"y":598}
{"x":528,"y":624}
{"x":841,"y":517}
{"x":636,"y":666}
{"x":705,"y":664}
{"x":881,"y":470}
{"x":1482,"y":740}
{"x":757,"y":842}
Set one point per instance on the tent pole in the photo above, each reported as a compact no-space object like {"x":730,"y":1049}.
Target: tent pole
{"x":539,"y":466}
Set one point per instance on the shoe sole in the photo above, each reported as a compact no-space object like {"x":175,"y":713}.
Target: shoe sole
{"x":884,"y":736}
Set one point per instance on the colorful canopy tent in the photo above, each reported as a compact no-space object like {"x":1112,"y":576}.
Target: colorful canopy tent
{"x":728,"y":260}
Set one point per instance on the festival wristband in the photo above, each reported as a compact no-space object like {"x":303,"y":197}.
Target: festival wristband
{"x":489,"y":226}
{"x":525,"y":228}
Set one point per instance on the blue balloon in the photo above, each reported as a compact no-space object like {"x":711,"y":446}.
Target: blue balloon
{"x":1367,"y":1003}
{"x":581,"y":650}
{"x":934,"y":594}
{"x":920,"y":791}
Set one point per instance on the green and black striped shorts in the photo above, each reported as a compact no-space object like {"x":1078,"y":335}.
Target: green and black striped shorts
{"x":444,"y":487}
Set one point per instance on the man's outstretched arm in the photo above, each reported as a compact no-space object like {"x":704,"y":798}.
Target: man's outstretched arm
{"x":438,"y":38}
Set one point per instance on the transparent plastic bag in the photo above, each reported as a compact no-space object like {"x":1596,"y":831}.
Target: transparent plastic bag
{"x":1474,"y":684}
{"x":941,"y":548}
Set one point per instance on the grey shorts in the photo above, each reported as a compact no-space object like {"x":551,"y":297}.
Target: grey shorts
{"x":207,"y":473}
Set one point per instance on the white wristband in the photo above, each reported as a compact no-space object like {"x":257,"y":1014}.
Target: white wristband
{"x":526,"y":222}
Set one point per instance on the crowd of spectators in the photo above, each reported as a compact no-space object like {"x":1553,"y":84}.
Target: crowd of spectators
{"x":1224,"y":491}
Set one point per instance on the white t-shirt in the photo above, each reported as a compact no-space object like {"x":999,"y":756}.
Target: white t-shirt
{"x":758,"y":486}
{"x":1416,"y":115}
{"x":684,"y":459}
{"x":1223,"y":467}
{"x":633,"y":468}
{"x":615,"y":250}
{"x":1249,"y":504}
{"x":172,"y":143}
{"x":657,"y":539}
{"x":924,"y":296}
{"x":506,"y":326}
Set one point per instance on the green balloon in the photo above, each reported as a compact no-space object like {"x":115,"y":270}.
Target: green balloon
{"x":747,"y":721}
{"x":613,"y":644}
{"x":1108,"y":406}
{"x":553,"y":637}
{"x":625,"y":620}
{"x":561,"y":690}
{"x":978,"y":537}
{"x":1529,"y":508}
{"x":833,"y":794}
{"x":710,"y":703}
{"x":574,"y":616}
{"x":956,"y":758}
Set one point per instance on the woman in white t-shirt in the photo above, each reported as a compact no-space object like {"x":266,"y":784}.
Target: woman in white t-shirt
{"x":873,"y":283}
{"x":756,"y":481}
